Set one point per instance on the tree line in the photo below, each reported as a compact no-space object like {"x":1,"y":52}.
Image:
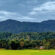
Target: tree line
{"x":27,"y":40}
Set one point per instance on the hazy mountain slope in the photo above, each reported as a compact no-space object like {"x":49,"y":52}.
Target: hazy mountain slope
{"x":16,"y":26}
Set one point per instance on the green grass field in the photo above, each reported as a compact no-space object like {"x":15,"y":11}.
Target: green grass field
{"x":27,"y":52}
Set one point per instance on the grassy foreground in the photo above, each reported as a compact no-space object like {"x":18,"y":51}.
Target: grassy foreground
{"x":27,"y":52}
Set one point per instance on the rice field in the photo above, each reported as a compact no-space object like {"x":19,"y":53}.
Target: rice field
{"x":27,"y":52}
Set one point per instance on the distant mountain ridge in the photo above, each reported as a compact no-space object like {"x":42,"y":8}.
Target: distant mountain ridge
{"x":14,"y":26}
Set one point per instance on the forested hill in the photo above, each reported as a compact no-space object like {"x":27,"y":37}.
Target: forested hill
{"x":14,"y":26}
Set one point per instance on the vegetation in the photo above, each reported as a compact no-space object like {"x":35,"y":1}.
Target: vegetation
{"x":27,"y":52}
{"x":27,"y":40}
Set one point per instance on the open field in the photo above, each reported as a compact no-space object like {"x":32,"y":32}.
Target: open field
{"x":27,"y":52}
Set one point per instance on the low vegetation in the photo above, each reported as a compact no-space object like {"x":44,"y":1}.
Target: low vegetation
{"x":27,"y":52}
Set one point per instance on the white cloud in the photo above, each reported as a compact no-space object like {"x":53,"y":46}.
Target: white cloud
{"x":25,"y":18}
{"x":4,"y":15}
{"x":46,"y":7}
{"x":7,"y":15}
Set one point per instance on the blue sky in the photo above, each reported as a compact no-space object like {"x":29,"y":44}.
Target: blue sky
{"x":27,"y":10}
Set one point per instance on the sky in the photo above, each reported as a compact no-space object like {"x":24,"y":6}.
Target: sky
{"x":27,"y":10}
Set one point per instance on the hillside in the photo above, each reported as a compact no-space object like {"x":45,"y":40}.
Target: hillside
{"x":14,"y":26}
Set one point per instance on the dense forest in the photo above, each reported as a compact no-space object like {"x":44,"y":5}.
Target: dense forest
{"x":27,"y":40}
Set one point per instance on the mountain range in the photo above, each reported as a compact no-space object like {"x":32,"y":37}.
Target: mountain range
{"x":14,"y":26}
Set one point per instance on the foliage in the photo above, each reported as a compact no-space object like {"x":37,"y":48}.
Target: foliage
{"x":27,"y":40}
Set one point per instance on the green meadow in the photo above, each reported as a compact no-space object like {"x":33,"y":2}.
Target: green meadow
{"x":27,"y":52}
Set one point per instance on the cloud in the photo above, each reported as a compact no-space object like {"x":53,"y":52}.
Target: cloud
{"x":27,"y":10}
{"x":46,"y":7}
{"x":31,"y":1}
{"x":4,"y":15}
{"x":7,"y":15}
{"x":46,"y":11}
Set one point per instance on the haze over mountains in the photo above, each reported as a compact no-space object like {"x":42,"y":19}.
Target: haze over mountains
{"x":14,"y":26}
